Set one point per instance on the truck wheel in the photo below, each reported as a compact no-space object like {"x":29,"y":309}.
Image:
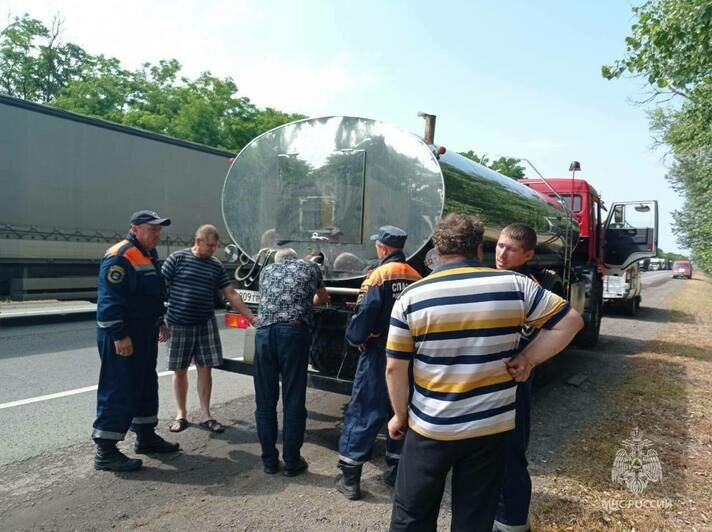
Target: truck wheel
{"x":551,"y":282}
{"x":327,"y":352}
{"x":588,"y":336}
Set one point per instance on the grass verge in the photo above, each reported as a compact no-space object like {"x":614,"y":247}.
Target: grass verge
{"x":668,"y":396}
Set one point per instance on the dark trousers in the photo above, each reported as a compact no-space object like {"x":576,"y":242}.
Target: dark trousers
{"x":281,"y":350}
{"x":477,"y":465}
{"x":368,"y":410}
{"x":516,"y":495}
{"x":127,"y":396}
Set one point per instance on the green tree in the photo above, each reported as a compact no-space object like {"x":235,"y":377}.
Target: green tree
{"x":671,"y":47}
{"x":508,"y":166}
{"x":34,"y":61}
{"x":206,"y":110}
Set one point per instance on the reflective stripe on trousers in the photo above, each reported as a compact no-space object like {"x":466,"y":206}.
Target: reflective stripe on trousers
{"x":127,"y":396}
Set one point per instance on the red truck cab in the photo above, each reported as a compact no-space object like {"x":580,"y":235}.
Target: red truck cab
{"x":604,"y":247}
{"x":585,"y":203}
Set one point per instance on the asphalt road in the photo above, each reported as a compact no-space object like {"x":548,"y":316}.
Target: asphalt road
{"x":55,"y":365}
{"x":656,"y":278}
{"x":49,"y":372}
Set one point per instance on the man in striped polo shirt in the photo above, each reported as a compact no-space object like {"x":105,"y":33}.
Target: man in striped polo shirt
{"x":459,"y":328}
{"x":192,"y":276}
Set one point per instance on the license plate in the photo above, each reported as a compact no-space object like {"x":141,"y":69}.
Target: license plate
{"x":250,"y":296}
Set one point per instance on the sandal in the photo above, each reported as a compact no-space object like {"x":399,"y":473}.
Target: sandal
{"x":212,"y":425}
{"x":179,"y":425}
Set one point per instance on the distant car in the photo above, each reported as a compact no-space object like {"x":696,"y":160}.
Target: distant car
{"x":682,"y":268}
{"x":624,"y":290}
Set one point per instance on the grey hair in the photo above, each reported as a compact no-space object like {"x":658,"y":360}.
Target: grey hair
{"x":285,"y":254}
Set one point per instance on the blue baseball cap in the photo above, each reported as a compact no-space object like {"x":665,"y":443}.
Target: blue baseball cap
{"x":149,"y":217}
{"x":391,"y":236}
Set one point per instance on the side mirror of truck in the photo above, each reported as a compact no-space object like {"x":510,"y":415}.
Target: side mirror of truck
{"x":631,"y":233}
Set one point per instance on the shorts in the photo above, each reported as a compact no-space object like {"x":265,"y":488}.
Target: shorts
{"x":200,"y":342}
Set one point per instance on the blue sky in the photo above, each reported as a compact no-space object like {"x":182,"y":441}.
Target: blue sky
{"x":504,"y":77}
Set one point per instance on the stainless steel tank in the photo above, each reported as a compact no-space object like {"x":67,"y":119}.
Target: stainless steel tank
{"x":327,"y":184}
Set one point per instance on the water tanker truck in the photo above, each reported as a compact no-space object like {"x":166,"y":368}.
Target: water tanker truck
{"x":324,"y":185}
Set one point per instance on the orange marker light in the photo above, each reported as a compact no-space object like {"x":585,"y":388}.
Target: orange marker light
{"x":233,"y":319}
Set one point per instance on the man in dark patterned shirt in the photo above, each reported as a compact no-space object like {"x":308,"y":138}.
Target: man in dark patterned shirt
{"x":288,"y":289}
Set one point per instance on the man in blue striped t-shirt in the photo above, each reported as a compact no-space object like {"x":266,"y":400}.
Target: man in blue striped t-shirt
{"x":192,"y":276}
{"x":459,"y":329}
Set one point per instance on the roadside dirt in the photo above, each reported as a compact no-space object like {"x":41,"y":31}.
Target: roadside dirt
{"x":217,"y":481}
{"x":662,"y":389}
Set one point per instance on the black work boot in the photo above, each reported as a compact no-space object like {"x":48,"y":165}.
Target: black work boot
{"x":109,"y":458}
{"x":389,"y":477}
{"x":150,"y":442}
{"x":348,"y":481}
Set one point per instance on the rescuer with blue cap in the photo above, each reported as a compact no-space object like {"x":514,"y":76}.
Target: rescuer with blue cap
{"x":369,"y":407}
{"x":130,"y":306}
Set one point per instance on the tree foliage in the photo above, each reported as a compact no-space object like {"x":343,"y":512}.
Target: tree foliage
{"x":671,"y":47}
{"x":34,"y":61}
{"x":36,"y":65}
{"x":670,"y":255}
{"x":508,"y":166}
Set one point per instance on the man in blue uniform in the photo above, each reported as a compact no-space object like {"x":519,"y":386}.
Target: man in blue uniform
{"x":515,"y":248}
{"x":130,"y":307}
{"x":369,"y":408}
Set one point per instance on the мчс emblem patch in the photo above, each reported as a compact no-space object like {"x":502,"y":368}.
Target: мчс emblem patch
{"x":116,"y":274}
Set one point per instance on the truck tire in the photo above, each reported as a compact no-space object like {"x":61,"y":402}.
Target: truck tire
{"x":551,"y":282}
{"x":328,"y":351}
{"x":588,"y":336}
{"x":630,"y":306}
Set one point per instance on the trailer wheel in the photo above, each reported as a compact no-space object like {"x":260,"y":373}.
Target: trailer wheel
{"x":588,"y":336}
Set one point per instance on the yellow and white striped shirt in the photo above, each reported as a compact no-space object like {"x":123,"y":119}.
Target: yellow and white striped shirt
{"x":459,"y":325}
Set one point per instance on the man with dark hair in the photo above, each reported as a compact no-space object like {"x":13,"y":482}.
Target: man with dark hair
{"x":515,"y":248}
{"x":129,"y":313}
{"x":288,"y":290}
{"x":193,"y":276}
{"x":459,"y":328}
{"x":369,"y":409}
